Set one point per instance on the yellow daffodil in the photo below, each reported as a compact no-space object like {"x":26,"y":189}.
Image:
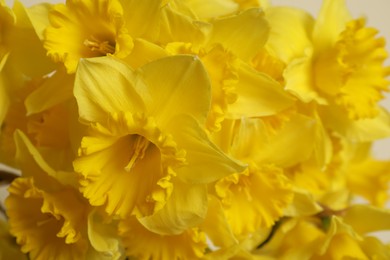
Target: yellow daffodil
{"x":82,"y":29}
{"x":243,"y":195}
{"x":48,"y":216}
{"x":145,"y":125}
{"x":338,"y":65}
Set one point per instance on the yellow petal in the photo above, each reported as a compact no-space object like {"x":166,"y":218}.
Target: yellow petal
{"x":103,"y":237}
{"x":211,"y":9}
{"x":206,"y":162}
{"x":290,"y":33}
{"x":173,"y":82}
{"x":361,"y":130}
{"x":177,"y":27}
{"x":136,"y":14}
{"x":141,"y":243}
{"x":186,"y":208}
{"x":231,"y":31}
{"x":303,"y":204}
{"x":24,"y":57}
{"x":299,"y":80}
{"x":216,"y":225}
{"x":39,"y":17}
{"x":365,"y":218}
{"x":55,"y":90}
{"x":143,"y":53}
{"x":272,"y":148}
{"x":98,"y":95}
{"x":331,"y":21}
{"x":33,"y":164}
{"x":258,"y":95}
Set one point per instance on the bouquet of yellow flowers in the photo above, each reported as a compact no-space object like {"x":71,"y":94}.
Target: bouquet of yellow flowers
{"x":191,"y":129}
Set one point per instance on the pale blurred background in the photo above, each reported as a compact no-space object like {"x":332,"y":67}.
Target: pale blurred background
{"x":377,"y":14}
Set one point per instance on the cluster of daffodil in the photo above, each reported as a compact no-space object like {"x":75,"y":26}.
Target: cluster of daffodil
{"x":191,"y":129}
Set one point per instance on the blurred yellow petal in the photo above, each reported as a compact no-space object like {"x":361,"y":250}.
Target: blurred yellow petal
{"x":272,"y":148}
{"x":178,"y":27}
{"x":303,"y":204}
{"x":186,"y":208}
{"x":331,"y":21}
{"x":370,"y":178}
{"x":290,"y":32}
{"x":103,"y":237}
{"x":366,"y":218}
{"x":362,"y":130}
{"x":144,"y":244}
{"x":211,"y":9}
{"x":258,"y":95}
{"x":216,"y":225}
{"x":143,"y":53}
{"x":231,"y":31}
{"x":55,"y":90}
{"x":39,"y":17}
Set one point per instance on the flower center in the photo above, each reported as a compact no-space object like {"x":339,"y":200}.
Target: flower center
{"x":101,"y":47}
{"x":139,"y":145}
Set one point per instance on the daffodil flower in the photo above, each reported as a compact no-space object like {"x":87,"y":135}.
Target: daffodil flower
{"x":82,"y":29}
{"x":147,"y":153}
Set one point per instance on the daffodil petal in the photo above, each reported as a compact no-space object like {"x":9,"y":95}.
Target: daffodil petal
{"x":211,"y":9}
{"x":177,"y":27}
{"x":143,"y":53}
{"x":216,"y":225}
{"x":206,"y":162}
{"x":186,"y":208}
{"x":231,"y":30}
{"x":258,"y":95}
{"x":299,"y":81}
{"x":55,"y":90}
{"x":173,"y":82}
{"x":34,"y":165}
{"x":290,"y":32}
{"x":366,"y":218}
{"x":98,"y":95}
{"x":272,"y":149}
{"x":103,"y":237}
{"x":25,"y":58}
{"x":361,"y":130}
{"x":303,"y":204}
{"x":326,"y":29}
{"x":39,"y":17}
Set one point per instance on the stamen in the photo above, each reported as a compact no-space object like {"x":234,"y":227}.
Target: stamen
{"x":102,"y":47}
{"x":139,"y":148}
